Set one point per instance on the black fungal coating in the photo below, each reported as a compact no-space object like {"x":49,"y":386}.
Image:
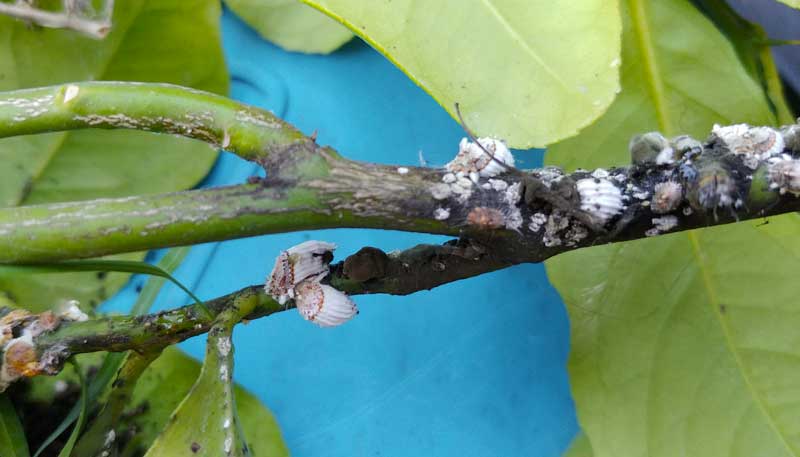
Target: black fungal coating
{"x":368,"y":263}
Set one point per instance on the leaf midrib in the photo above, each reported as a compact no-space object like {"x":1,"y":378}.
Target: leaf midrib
{"x":655,"y":86}
{"x":652,"y":75}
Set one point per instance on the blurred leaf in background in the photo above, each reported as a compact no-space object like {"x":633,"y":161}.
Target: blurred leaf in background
{"x":681,"y":345}
{"x":292,"y":25}
{"x":792,"y":3}
{"x":12,"y":437}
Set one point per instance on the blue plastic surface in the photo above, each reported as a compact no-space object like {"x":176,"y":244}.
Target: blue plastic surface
{"x":475,"y":368}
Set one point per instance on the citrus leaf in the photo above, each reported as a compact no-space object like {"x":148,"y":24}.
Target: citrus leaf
{"x":682,"y":344}
{"x":753,"y":48}
{"x":176,"y":41}
{"x":679,"y":75}
{"x":38,"y":293}
{"x":580,"y":447}
{"x":550,"y":66}
{"x":292,"y":25}
{"x":178,"y":371}
{"x":792,"y":3}
{"x":12,"y":437}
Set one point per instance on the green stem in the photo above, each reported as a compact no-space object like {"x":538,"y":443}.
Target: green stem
{"x":51,"y":232}
{"x":150,"y":332}
{"x":250,"y":132}
{"x":419,"y":268}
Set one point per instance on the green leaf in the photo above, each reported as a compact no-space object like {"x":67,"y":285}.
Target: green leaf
{"x":683,"y":344}
{"x":292,"y":25}
{"x":164,"y":385}
{"x":753,"y":48}
{"x":529,"y":72}
{"x":580,"y":447}
{"x":38,"y":293}
{"x":12,"y":437}
{"x":175,"y":41}
{"x":792,"y":3}
{"x":679,"y":75}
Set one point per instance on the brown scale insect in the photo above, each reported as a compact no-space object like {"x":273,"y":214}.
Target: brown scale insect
{"x":486,"y":218}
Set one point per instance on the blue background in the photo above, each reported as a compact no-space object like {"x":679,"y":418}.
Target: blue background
{"x":475,"y":368}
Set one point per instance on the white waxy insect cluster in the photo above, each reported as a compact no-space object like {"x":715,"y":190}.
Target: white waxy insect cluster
{"x":537,"y":221}
{"x":469,"y":165}
{"x":667,"y":197}
{"x":297,"y":275}
{"x":661,"y":225}
{"x":513,"y":216}
{"x":72,"y":312}
{"x":784,"y":176}
{"x":473,"y":162}
{"x":754,"y":143}
{"x":441,"y":214}
{"x":600,"y":198}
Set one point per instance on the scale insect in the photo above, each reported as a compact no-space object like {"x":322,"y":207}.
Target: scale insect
{"x":712,"y":187}
{"x":562,"y":195}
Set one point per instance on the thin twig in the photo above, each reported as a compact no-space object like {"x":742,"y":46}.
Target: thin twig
{"x":98,"y":29}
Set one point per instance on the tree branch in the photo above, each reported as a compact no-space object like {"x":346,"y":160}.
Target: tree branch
{"x":53,"y":340}
{"x":61,"y":20}
{"x":525,"y":216}
{"x":535,"y":214}
{"x":739,"y":172}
